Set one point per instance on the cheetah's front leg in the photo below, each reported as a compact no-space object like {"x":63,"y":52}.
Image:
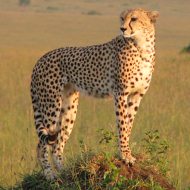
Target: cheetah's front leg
{"x":126,"y":108}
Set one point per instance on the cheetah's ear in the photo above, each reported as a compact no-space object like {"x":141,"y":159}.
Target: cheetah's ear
{"x":153,"y":15}
{"x":122,"y":14}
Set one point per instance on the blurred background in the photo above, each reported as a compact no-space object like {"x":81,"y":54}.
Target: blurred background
{"x":30,"y":28}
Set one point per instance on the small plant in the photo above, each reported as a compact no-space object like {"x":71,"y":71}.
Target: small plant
{"x":108,"y":141}
{"x":50,"y":8}
{"x":157,"y":150}
{"x":107,"y":137}
{"x":93,"y":12}
{"x":24,"y":2}
{"x":83,"y":147}
{"x":112,"y":178}
{"x":186,"y":49}
{"x":2,"y":188}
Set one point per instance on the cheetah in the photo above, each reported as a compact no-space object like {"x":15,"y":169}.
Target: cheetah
{"x":121,"y":68}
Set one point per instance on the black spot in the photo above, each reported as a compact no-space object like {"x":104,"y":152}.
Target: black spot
{"x":117,"y":113}
{"x":130,"y":103}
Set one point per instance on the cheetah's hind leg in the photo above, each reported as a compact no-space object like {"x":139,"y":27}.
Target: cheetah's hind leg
{"x":67,"y":117}
{"x":43,"y":158}
{"x":46,"y":121}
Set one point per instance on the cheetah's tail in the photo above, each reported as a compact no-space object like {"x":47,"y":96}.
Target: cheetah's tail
{"x":43,"y":133}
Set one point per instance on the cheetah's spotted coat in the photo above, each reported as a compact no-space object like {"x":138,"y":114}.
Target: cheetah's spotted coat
{"x":122,"y":68}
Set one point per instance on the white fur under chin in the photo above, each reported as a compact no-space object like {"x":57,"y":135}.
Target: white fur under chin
{"x":139,"y":40}
{"x":129,"y":36}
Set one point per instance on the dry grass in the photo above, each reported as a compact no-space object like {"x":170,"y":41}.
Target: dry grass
{"x":25,"y":34}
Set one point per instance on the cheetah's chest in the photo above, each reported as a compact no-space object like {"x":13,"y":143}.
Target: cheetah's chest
{"x":144,"y":76}
{"x":135,"y":73}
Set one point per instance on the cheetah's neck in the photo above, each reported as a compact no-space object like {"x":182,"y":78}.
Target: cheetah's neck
{"x":146,"y":43}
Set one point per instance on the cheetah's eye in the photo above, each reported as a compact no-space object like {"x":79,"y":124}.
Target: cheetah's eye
{"x":133,"y":19}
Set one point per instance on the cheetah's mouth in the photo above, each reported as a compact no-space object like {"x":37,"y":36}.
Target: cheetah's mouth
{"x":129,"y":36}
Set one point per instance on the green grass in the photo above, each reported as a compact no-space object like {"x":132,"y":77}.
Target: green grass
{"x":164,"y":107}
{"x":186,"y":49}
{"x":26,"y":34}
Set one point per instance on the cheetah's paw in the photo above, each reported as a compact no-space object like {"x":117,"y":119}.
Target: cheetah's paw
{"x":130,"y":161}
{"x":51,"y":176}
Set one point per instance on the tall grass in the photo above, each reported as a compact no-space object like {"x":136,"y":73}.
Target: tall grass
{"x":165,"y":107}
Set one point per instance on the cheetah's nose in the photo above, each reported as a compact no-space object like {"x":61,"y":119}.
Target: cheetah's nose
{"x":123,"y":29}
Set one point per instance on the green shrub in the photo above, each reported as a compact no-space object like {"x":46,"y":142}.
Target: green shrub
{"x":93,"y":12}
{"x":156,"y":151}
{"x":24,"y":2}
{"x":186,"y":49}
{"x":50,"y":8}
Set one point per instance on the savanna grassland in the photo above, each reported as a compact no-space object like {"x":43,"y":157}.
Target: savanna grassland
{"x":26,"y":33}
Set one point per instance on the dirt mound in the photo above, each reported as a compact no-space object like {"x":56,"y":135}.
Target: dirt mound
{"x":140,"y":175}
{"x":100,"y":172}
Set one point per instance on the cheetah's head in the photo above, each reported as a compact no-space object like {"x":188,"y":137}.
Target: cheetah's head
{"x":137,"y":22}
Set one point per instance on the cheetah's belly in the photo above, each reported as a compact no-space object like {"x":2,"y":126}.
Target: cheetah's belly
{"x":144,"y":78}
{"x":93,"y":85}
{"x":99,"y":91}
